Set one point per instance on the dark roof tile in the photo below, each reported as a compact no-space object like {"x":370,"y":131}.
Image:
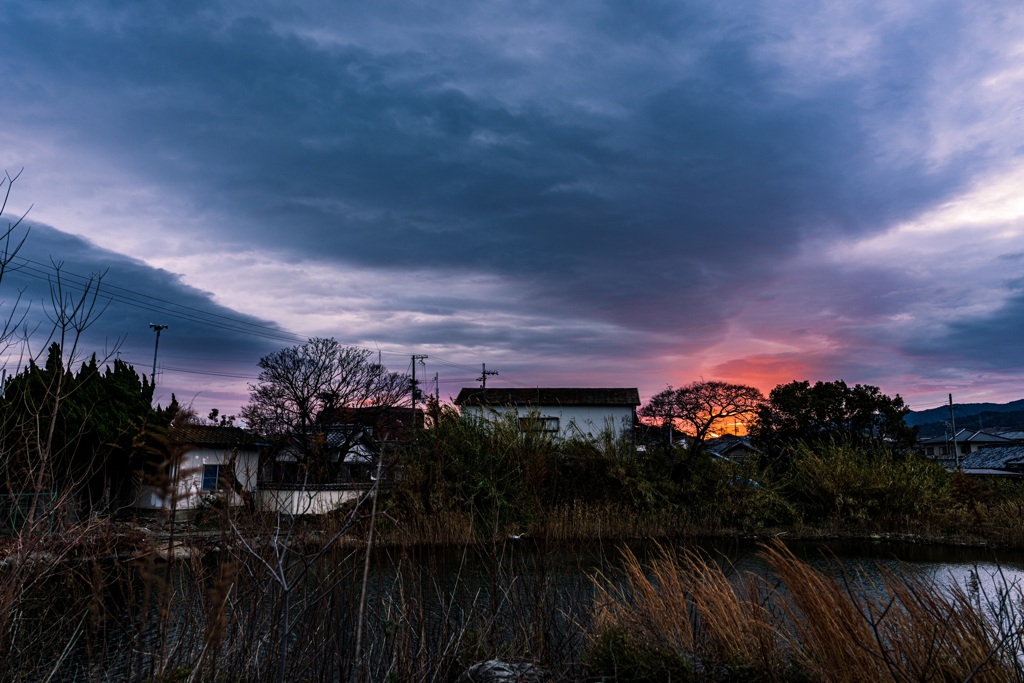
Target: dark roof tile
{"x":999,"y":457}
{"x":215,"y":436}
{"x":548,"y":397}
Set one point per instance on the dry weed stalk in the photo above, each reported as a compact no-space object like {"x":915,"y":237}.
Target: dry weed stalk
{"x":898,"y":628}
{"x":686,"y":613}
{"x":652,"y":605}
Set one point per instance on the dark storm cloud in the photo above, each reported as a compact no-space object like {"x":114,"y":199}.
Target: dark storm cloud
{"x":989,"y":342}
{"x":636,"y":177}
{"x":386,"y":158}
{"x":55,"y":274}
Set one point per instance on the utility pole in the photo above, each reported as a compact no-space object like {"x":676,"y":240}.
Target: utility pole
{"x":415,"y":389}
{"x":437,"y":389}
{"x":484,"y":374}
{"x":952,"y":421}
{"x":156,"y":328}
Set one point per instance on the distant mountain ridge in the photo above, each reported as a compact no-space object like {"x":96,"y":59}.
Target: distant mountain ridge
{"x":940,"y":414}
{"x":987,"y":416}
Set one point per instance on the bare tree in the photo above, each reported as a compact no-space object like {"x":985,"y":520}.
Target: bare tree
{"x":303,"y":389}
{"x":702,"y":408}
{"x":302,"y":394}
{"x":11,"y":242}
{"x":71,"y":311}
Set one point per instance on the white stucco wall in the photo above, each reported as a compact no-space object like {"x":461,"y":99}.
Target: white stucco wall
{"x":573,"y":421}
{"x":190,"y":479}
{"x":307,"y":502}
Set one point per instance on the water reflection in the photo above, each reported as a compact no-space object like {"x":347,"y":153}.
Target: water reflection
{"x":426,"y":605}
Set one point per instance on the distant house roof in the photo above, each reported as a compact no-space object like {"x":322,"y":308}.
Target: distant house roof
{"x":966,"y":436}
{"x":728,"y":443}
{"x":548,"y":397}
{"x":1015,"y":436}
{"x":992,"y":473}
{"x":995,"y":458}
{"x":388,"y":422}
{"x":214,"y":436}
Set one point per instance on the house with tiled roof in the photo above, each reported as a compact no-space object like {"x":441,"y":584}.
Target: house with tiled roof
{"x":941,"y":448}
{"x":731,"y":447}
{"x":350,"y":443}
{"x":203,"y":462}
{"x":565,"y":413}
{"x":995,"y":461}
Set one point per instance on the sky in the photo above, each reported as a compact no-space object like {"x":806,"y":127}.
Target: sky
{"x":634,"y":194}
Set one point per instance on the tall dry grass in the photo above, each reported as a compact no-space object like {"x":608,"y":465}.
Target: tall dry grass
{"x":685,"y":616}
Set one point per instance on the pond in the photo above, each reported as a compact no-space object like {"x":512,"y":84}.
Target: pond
{"x":429,"y":611}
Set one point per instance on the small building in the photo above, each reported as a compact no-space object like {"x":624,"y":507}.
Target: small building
{"x":570,"y":413}
{"x":738,"y":449}
{"x":1002,"y":461}
{"x":205,"y":461}
{"x":350,"y":443}
{"x":941,"y":448}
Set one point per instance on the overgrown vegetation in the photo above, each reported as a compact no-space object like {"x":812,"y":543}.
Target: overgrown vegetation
{"x":481,"y":481}
{"x":684,"y":617}
{"x":502,"y":480}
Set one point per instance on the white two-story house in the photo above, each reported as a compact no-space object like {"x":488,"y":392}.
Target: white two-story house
{"x":565,"y":413}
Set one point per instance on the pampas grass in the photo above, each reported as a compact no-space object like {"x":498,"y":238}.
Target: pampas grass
{"x":683,"y":615}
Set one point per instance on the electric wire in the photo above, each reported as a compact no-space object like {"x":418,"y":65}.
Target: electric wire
{"x":198,"y":316}
{"x":154,"y":304}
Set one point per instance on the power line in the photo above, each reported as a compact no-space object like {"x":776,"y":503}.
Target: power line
{"x":47,"y":272}
{"x":211,"y":373}
{"x":164,"y":307}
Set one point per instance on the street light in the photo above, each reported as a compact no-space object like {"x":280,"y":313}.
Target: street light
{"x":156,"y":328}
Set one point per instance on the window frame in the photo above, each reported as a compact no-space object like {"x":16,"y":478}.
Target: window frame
{"x":218,"y":483}
{"x":547,"y":424}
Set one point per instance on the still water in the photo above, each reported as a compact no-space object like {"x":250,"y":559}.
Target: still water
{"x":427,"y":610}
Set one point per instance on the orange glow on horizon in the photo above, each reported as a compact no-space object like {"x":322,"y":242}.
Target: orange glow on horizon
{"x":767,"y":372}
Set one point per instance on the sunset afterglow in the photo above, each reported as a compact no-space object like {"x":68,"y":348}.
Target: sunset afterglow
{"x":576,"y":194}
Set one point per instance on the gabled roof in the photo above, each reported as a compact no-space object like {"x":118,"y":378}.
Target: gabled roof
{"x":367,"y":415}
{"x":548,"y":397}
{"x":965,"y":436}
{"x":387,"y":422}
{"x":724,"y":444}
{"x":1015,"y":436}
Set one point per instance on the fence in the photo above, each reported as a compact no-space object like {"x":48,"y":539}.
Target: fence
{"x":15,"y":509}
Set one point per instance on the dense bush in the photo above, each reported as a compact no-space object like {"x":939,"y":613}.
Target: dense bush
{"x":509,"y":480}
{"x":840,"y":484}
{"x":487,"y":480}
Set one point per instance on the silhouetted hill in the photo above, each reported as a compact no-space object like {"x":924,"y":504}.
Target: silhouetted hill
{"x":974,"y":416}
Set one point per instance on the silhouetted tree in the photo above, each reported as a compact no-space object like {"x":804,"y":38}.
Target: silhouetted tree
{"x":832,"y":411}
{"x":702,"y":408}
{"x":301,"y":387}
{"x":73,"y":432}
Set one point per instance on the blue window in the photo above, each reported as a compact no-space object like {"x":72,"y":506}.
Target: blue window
{"x":211,"y":478}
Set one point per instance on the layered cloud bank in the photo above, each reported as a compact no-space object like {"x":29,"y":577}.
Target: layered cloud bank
{"x":585,"y":193}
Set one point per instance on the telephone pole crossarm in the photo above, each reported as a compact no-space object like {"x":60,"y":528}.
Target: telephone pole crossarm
{"x":484,"y":374}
